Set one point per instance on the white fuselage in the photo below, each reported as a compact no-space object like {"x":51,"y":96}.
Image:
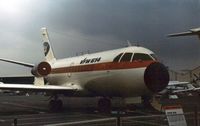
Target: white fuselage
{"x":125,"y":72}
{"x":97,"y":74}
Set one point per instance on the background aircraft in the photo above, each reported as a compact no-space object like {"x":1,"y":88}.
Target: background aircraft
{"x":175,"y":87}
{"x":185,"y":86}
{"x":194,"y":31}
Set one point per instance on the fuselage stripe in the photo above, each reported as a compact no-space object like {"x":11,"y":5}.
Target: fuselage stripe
{"x":101,"y":66}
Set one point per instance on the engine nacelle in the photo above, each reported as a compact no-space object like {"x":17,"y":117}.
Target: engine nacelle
{"x":42,"y":69}
{"x":156,"y":77}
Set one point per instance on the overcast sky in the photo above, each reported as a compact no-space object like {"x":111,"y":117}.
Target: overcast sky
{"x":80,"y":25}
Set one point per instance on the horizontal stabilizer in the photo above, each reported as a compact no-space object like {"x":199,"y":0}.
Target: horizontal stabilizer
{"x":17,"y":62}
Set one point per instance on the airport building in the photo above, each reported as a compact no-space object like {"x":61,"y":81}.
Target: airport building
{"x":192,"y":75}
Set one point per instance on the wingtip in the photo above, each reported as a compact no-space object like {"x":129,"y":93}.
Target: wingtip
{"x":169,"y":35}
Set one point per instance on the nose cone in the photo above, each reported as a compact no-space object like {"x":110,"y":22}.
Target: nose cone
{"x":156,"y":77}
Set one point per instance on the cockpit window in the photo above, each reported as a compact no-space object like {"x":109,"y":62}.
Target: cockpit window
{"x":126,"y":57}
{"x":116,"y":59}
{"x":141,"y":56}
{"x":154,"y":56}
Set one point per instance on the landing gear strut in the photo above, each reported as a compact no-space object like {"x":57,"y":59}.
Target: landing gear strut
{"x":55,"y":104}
{"x":104,"y":105}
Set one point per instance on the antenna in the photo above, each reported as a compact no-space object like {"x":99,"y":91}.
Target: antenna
{"x":128,"y":43}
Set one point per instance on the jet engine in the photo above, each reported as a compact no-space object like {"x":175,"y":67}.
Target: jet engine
{"x":41,"y":70}
{"x":156,"y":77}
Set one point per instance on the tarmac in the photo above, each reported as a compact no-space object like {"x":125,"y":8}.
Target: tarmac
{"x":33,"y":111}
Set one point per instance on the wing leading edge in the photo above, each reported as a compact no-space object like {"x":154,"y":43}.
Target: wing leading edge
{"x":190,"y":87}
{"x":31,"y":87}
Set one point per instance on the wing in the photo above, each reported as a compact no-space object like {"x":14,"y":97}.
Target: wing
{"x":194,"y":31}
{"x":181,"y":34}
{"x":188,"y":87}
{"x":17,"y":62}
{"x":187,"y":90}
{"x":4,"y":86}
{"x":39,"y":86}
{"x":49,"y":89}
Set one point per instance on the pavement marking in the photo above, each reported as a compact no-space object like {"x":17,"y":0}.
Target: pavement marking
{"x":41,"y":118}
{"x":70,"y":115}
{"x":49,"y":116}
{"x":143,"y":122}
{"x":82,"y":122}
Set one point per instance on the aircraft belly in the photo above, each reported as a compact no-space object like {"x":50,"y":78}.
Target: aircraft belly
{"x":118,"y":83}
{"x":127,"y":82}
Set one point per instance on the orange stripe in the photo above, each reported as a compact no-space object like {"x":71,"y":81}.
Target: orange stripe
{"x":102,"y":66}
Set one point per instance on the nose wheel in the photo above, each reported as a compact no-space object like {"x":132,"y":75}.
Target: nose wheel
{"x":146,"y":101}
{"x":55,"y":104}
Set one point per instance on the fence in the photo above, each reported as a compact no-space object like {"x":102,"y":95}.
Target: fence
{"x":192,"y":119}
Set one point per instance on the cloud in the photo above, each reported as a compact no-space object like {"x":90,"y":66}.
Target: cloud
{"x":77,"y":26}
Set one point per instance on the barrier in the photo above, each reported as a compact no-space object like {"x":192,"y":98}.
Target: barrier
{"x":150,"y":120}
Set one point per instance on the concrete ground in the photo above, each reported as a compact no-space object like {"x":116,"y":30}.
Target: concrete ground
{"x":33,"y":111}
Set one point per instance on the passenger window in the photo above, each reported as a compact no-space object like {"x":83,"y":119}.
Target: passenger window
{"x":116,"y":59}
{"x":141,"y":56}
{"x":126,"y":57}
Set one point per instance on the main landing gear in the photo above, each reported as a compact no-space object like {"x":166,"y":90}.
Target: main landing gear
{"x":55,"y":104}
{"x":104,"y":105}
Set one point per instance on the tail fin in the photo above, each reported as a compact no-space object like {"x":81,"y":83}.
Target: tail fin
{"x":195,"y":31}
{"x":48,"y":52}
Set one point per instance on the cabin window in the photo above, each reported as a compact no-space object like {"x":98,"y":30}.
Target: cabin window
{"x":141,"y":57}
{"x":116,"y":59}
{"x":126,"y":57}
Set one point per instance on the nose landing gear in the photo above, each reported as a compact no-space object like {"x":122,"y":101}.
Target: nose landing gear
{"x":104,"y":105}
